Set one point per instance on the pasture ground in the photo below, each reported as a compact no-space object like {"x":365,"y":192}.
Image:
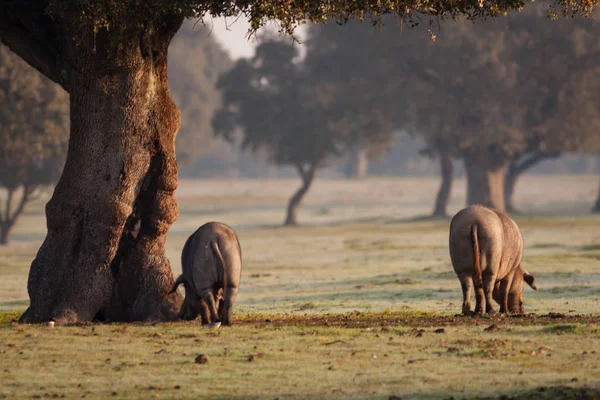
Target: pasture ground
{"x":359,"y":302}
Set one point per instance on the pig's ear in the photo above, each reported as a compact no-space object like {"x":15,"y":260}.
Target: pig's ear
{"x":530,"y":279}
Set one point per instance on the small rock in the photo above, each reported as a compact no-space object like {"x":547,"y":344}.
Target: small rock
{"x":201,"y":359}
{"x":574,"y":380}
{"x":158,"y":334}
{"x":50,"y":324}
{"x":440,"y":330}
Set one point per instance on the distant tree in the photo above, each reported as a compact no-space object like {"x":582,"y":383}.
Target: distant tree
{"x":196,"y":61}
{"x":357,"y":83}
{"x":33,"y":135}
{"x":549,"y":57}
{"x":579,"y":119}
{"x":490,"y":95}
{"x":278,"y":110}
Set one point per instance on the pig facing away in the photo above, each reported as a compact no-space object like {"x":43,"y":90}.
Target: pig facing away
{"x":486,"y":249}
{"x":211,"y":263}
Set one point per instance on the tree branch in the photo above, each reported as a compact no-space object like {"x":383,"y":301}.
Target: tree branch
{"x":28,"y":31}
{"x":520,"y":167}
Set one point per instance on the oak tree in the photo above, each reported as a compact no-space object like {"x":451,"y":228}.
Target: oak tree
{"x":280,"y":114}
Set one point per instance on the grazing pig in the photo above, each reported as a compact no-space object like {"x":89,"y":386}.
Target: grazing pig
{"x":211,"y":263}
{"x":486,"y":248}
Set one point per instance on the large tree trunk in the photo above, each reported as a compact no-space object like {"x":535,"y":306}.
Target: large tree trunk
{"x":596,"y":208}
{"x":104,"y":254}
{"x":447,"y":174}
{"x":358,"y":163}
{"x":485,"y":180}
{"x":307,"y":174}
{"x":515,"y":169}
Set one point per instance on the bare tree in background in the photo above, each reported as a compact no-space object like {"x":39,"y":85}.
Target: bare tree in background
{"x":33,"y":136}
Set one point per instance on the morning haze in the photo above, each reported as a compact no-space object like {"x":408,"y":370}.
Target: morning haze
{"x":328,"y":192}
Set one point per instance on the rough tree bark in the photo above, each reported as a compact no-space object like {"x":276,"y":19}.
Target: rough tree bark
{"x":485,"y":179}
{"x":9,"y":217}
{"x":307,"y":174}
{"x":515,"y":169}
{"x":104,"y":254}
{"x":443,"y":195}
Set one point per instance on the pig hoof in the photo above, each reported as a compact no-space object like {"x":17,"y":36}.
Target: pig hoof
{"x":214,"y":325}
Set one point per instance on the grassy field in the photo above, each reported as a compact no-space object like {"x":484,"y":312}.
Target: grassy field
{"x":359,"y":302}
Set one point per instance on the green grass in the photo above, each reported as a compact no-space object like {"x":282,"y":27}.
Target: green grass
{"x":345,"y":306}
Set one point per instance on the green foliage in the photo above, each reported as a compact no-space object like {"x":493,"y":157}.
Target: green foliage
{"x":358,"y":89}
{"x":278,"y":109}
{"x":291,"y":13}
{"x":6,"y":317}
{"x":508,"y":87}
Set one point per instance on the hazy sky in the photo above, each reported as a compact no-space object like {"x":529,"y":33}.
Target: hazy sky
{"x":232,"y":35}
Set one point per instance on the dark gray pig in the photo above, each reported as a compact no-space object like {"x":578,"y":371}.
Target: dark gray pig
{"x":486,"y":248}
{"x":211,"y":263}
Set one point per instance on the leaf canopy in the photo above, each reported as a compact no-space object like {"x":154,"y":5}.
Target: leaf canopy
{"x":291,"y":13}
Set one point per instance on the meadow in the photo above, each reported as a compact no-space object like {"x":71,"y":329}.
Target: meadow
{"x":358,"y":302}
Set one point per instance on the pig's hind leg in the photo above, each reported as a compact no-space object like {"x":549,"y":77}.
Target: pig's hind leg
{"x":466,"y":283}
{"x":209,"y":300}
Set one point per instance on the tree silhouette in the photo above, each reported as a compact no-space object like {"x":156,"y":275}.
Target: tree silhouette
{"x":280,"y":113}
